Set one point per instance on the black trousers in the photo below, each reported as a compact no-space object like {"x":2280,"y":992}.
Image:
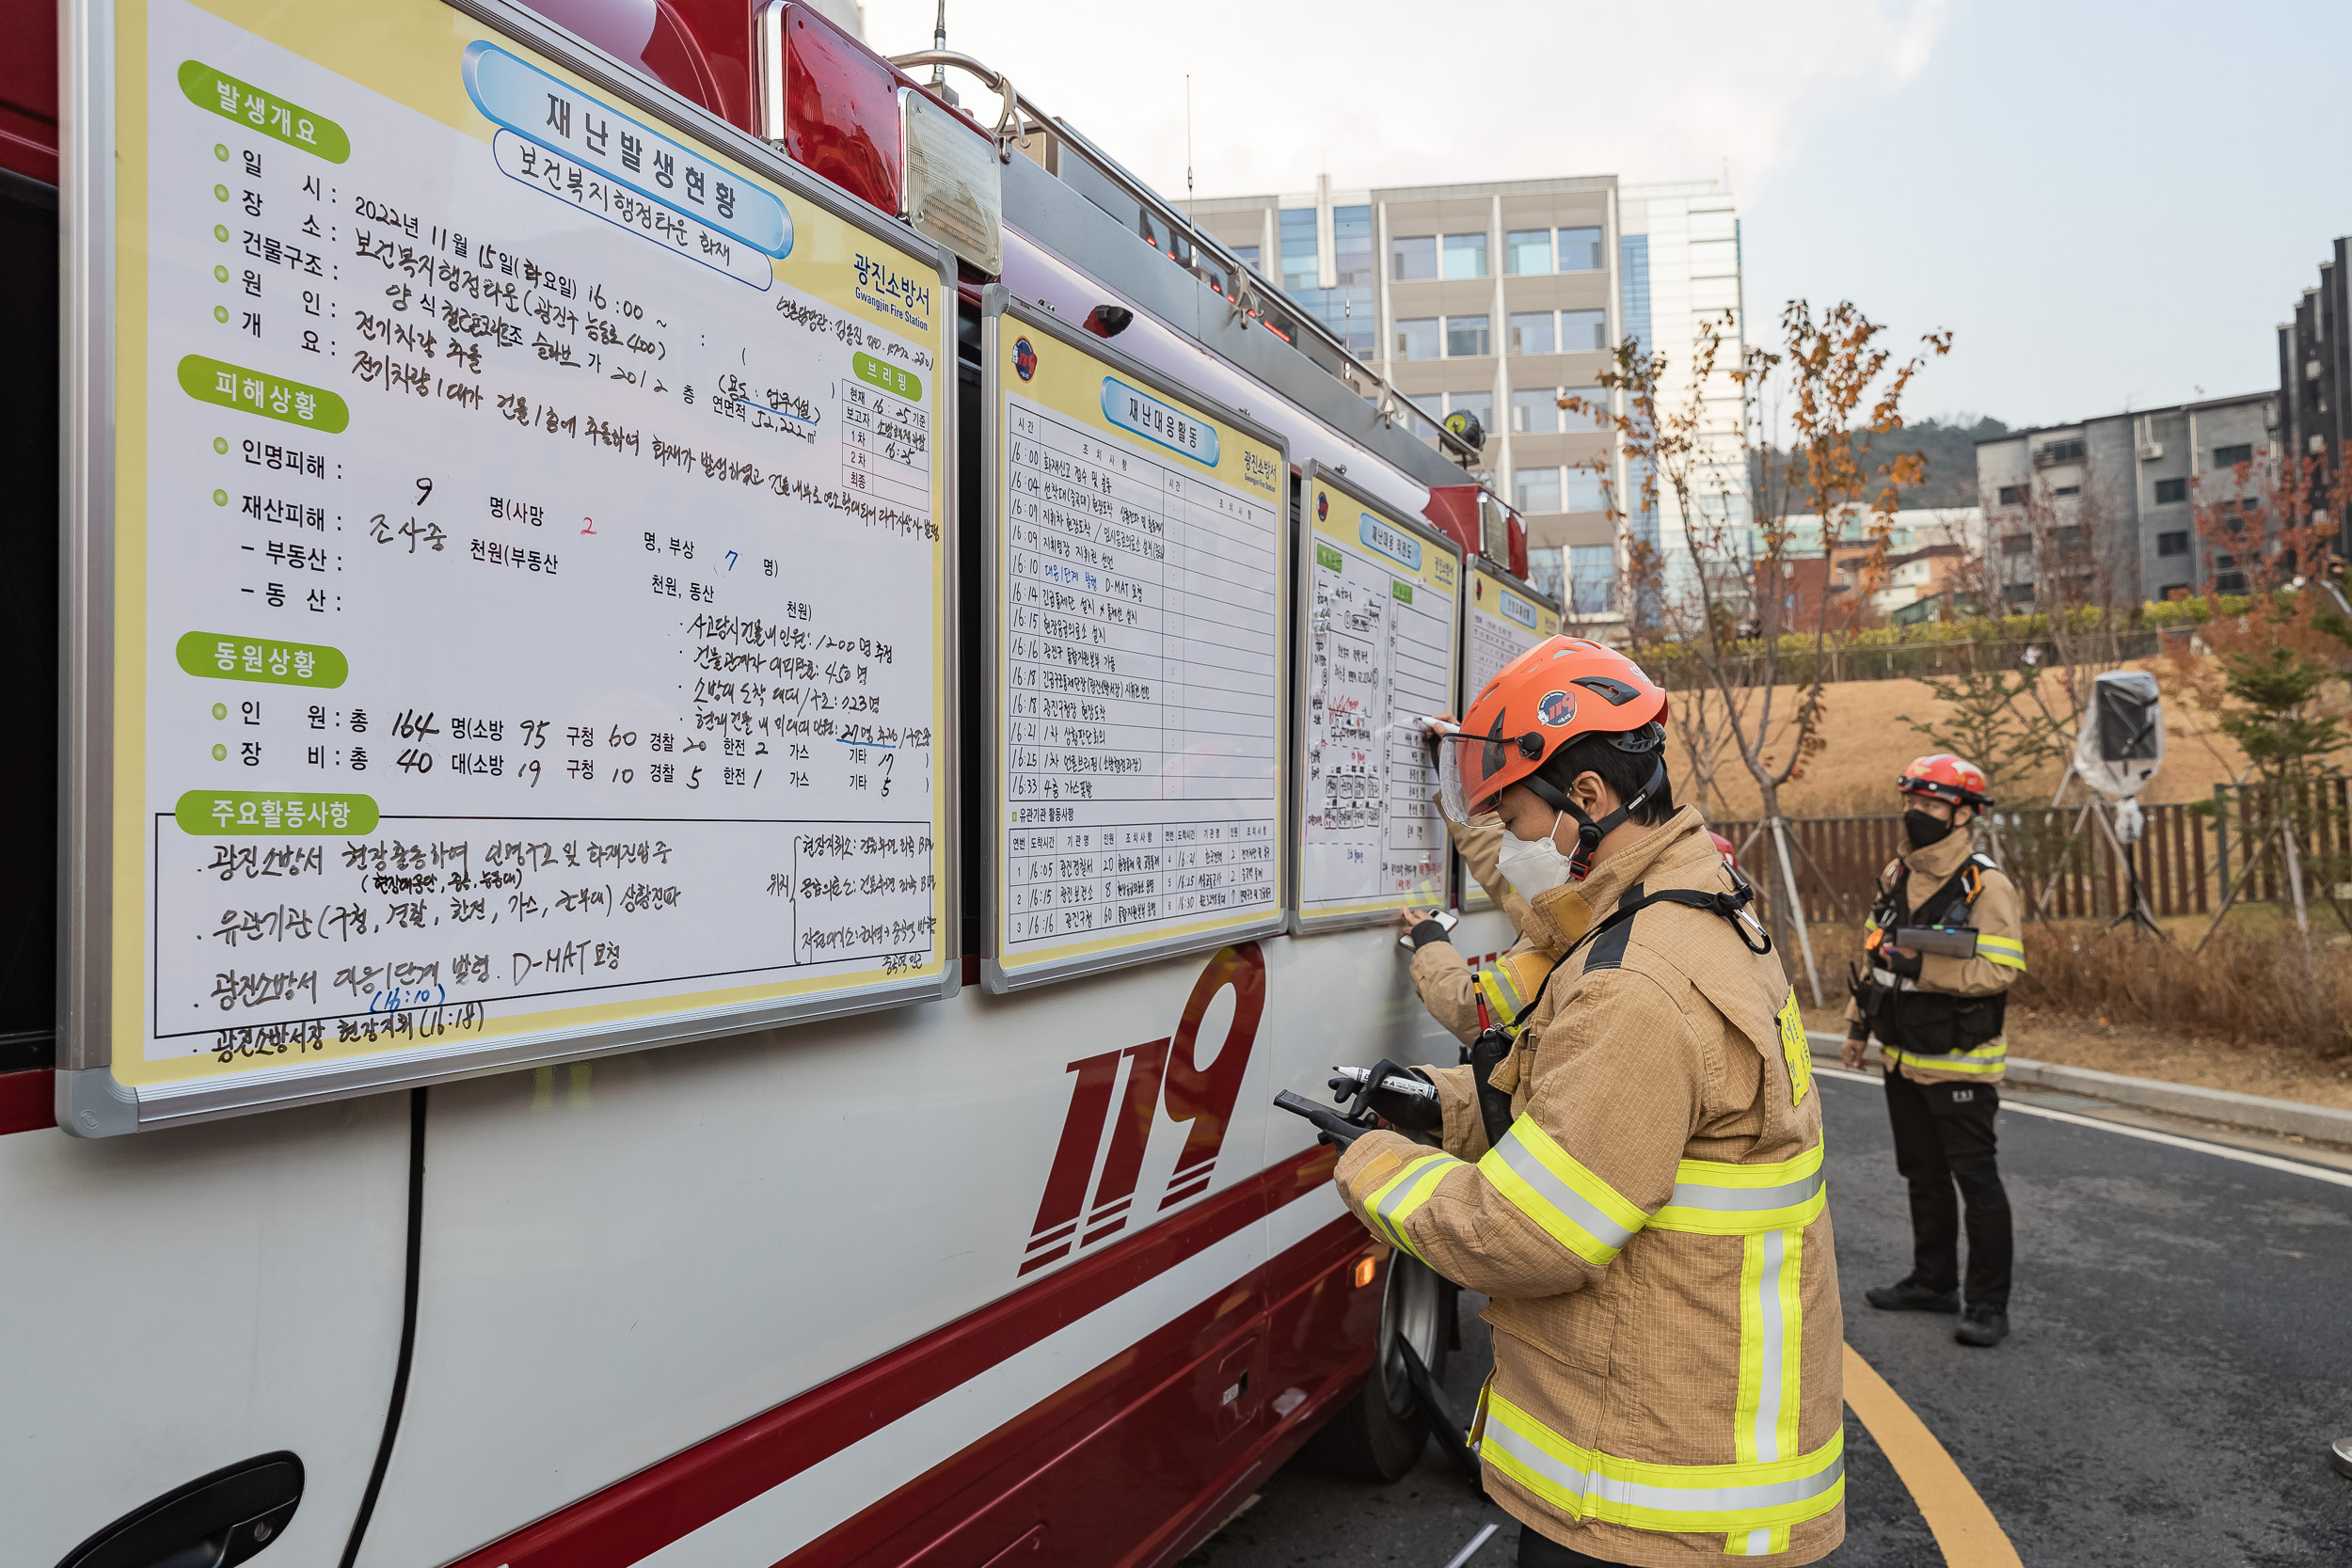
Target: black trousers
{"x":1944,"y":1138}
{"x":1541,"y":1551}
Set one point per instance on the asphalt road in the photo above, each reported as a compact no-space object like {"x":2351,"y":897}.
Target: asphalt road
{"x":2181,"y":1355}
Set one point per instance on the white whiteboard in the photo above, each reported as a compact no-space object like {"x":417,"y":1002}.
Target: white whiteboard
{"x":1139,"y":661}
{"x":1505,"y":618}
{"x":531,"y":546}
{"x":1379,"y":608}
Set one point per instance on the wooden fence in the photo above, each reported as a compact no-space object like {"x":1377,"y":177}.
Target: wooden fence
{"x":2186,"y":856}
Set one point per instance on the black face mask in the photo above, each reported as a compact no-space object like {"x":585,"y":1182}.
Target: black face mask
{"x":1924,"y":828}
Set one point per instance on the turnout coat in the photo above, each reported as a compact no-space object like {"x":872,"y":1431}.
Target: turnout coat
{"x":1652,"y":1231}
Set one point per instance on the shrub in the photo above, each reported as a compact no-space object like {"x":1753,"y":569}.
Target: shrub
{"x":2248,"y":988}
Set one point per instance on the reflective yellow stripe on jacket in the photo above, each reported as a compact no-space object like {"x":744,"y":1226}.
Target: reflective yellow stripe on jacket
{"x":1985,"y":1060}
{"x":1549,"y":1186}
{"x":2006,"y":951}
{"x":1717,"y":1199}
{"x":1394,"y":1202}
{"x":1499,"y":985}
{"x":1751,"y":1501}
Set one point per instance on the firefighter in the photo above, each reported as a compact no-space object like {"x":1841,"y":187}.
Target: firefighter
{"x":1938,"y":1018}
{"x":1466,"y":997}
{"x":1636,"y":1183}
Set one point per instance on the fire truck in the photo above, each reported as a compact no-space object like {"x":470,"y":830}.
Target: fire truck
{"x":1037,"y":1276}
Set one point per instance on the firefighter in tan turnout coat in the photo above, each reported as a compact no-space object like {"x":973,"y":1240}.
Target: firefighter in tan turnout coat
{"x":1648,"y":1217}
{"x":1938,"y":1018}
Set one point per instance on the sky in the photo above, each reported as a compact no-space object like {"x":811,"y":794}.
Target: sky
{"x":2110,"y":205}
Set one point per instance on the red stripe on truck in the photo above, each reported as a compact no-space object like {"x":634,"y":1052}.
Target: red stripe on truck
{"x":28,"y":1100}
{"x":634,"y":1517}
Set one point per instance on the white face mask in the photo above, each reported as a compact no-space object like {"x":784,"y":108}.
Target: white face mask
{"x":1534,"y":864}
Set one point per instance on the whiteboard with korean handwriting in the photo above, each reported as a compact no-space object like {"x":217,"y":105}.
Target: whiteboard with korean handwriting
{"x":1504,"y":618}
{"x":531,"y":592}
{"x":1380,"y":599}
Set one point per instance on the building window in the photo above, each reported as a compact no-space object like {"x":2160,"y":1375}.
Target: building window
{"x":1536,"y":489}
{"x":1413,"y":258}
{"x":2068,"y":490}
{"x":1580,"y":250}
{"x":1577,"y":419}
{"x":1527,"y":251}
{"x":1480,"y":403}
{"x":2018,"y":592}
{"x":1535,"y":412}
{"x":2173,"y":591}
{"x":1530,"y":332}
{"x":2172,"y":544}
{"x":1466,"y":256}
{"x":2012,"y":495}
{"x":1468,"y":337}
{"x":2058,"y":451}
{"x":1417,"y":337}
{"x":1351,"y":247}
{"x":1584,"y":493}
{"x":2229,"y":457}
{"x":1299,"y":269}
{"x":1545,"y":571}
{"x":1592,"y":579}
{"x":1583,"y":331}
{"x":2172,"y":490}
{"x":2016,"y":544}
{"x":1247,"y":254}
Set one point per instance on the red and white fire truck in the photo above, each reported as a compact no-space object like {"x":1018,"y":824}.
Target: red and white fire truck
{"x":996,"y":1278}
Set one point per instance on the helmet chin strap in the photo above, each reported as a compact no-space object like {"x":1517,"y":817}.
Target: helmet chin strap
{"x":1588,"y":832}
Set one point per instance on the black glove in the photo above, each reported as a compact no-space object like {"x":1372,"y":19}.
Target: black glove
{"x":1427,"y":932}
{"x":1409,"y":1113}
{"x":1904,"y":964}
{"x":1333,"y":1127}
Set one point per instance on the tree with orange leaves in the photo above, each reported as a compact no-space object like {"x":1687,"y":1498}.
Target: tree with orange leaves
{"x":1833,"y":384}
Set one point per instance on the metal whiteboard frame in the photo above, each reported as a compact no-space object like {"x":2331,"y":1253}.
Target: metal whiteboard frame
{"x":1303,"y":921}
{"x":997,"y":304}
{"x":1469,"y":895}
{"x":90,"y":1101}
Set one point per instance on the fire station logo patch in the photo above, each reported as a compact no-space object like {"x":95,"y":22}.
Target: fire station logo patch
{"x":1556,"y":708}
{"x":1023,"y":357}
{"x":1322,"y":507}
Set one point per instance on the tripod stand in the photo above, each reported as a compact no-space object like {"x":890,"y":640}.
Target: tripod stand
{"x":2135,"y":910}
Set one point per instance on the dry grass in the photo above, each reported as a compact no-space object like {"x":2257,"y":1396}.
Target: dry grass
{"x":2253,"y":1013}
{"x":1866,"y":744}
{"x":2248,"y":987}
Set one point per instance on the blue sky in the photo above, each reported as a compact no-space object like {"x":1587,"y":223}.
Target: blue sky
{"x":2105,"y":202}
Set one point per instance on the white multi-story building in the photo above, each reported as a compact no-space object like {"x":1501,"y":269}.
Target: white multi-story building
{"x":1497,"y":299}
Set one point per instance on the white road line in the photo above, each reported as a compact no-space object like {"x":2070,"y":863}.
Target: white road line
{"x":2243,"y":1156}
{"x":1472,"y":1550}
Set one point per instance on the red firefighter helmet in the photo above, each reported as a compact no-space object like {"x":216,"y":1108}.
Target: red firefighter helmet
{"x":1947,"y":778}
{"x":1560,"y":688}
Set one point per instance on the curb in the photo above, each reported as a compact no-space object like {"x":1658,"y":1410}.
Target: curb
{"x":2317,"y":1123}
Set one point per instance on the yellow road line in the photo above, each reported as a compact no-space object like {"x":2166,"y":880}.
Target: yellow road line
{"x":1964,"y":1528}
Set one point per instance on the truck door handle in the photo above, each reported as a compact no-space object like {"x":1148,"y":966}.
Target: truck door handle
{"x":211,"y":1522}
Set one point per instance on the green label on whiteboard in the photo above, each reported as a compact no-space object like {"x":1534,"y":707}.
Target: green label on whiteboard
{"x":1401,"y":591}
{"x":219,"y":656}
{"x":265,"y":112}
{"x":890,"y":378}
{"x":258,"y":392}
{"x":247,"y":812}
{"x":1327,"y":558}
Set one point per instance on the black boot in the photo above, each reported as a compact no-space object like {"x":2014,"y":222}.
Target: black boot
{"x":1983,"y":1326}
{"x":1909,"y":1295}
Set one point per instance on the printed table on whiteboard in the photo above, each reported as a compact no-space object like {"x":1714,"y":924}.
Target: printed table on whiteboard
{"x":1142,"y":665}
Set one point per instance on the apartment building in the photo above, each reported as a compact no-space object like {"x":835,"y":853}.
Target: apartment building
{"x":2110,"y":505}
{"x":2315,"y":376}
{"x":1497,"y":299}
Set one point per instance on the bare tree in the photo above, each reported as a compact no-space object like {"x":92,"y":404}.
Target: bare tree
{"x":1833,"y":384}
